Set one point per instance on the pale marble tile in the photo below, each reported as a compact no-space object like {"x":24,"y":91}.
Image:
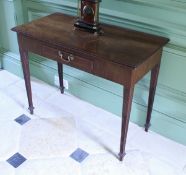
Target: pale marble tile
{"x":154,"y":165}
{"x":9,"y":108}
{"x":6,"y":169}
{"x":107,"y":121}
{"x":102,"y":119}
{"x":95,"y":140}
{"x":60,"y":166}
{"x":84,"y":111}
{"x":18,"y":98}
{"x":106,"y":164}
{"x":158,"y":166}
{"x":6,"y":79}
{"x":184,"y":170}
{"x":39,"y":88}
{"x":22,"y":101}
{"x":13,"y":90}
{"x":12,"y":106}
{"x":135,"y":163}
{"x":48,"y":110}
{"x":50,"y":137}
{"x":9,"y":135}
{"x":4,"y":98}
{"x":68,"y":103}
{"x":161,"y":146}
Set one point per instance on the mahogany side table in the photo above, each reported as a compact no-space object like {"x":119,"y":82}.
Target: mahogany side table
{"x":121,"y":55}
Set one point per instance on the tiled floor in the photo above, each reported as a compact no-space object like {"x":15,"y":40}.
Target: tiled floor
{"x":67,"y":136}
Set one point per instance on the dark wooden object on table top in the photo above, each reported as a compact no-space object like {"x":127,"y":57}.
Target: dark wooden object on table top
{"x":121,"y":55}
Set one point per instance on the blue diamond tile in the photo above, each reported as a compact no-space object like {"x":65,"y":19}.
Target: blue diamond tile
{"x":16,"y":160}
{"x":79,"y":155}
{"x":22,"y":119}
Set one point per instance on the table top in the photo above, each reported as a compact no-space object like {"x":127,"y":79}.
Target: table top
{"x":123,"y":46}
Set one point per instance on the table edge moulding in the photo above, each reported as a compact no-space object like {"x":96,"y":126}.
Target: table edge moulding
{"x":121,"y":55}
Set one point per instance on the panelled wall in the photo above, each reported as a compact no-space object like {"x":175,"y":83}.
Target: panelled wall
{"x":166,"y":18}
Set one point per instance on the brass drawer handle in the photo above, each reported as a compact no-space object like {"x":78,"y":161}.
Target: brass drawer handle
{"x":60,"y":54}
{"x":69,"y":58}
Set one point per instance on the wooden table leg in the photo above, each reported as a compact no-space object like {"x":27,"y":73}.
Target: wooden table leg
{"x":26,"y":73}
{"x":153,"y":84}
{"x":60,"y":74}
{"x":127,"y":102}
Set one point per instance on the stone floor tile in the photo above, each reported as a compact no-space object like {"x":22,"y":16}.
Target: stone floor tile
{"x":7,"y":79}
{"x":9,"y":109}
{"x":96,"y":140}
{"x":22,"y":102}
{"x":6,"y":169}
{"x":50,"y":137}
{"x":60,"y":166}
{"x":39,"y":88}
{"x":68,"y":103}
{"x":48,"y":110}
{"x":106,"y":164}
{"x":9,"y":136}
{"x":158,"y":145}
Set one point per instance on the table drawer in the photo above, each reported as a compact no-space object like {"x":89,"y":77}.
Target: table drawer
{"x":68,"y":58}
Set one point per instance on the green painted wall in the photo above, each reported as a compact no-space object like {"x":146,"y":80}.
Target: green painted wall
{"x":166,"y":18}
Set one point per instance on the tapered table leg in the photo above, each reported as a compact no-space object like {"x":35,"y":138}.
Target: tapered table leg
{"x":127,"y":102}
{"x":153,"y":84}
{"x":60,"y":74}
{"x":26,"y":73}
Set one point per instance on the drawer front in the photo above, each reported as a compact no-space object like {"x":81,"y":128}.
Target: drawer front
{"x":68,"y":58}
{"x":112,"y":71}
